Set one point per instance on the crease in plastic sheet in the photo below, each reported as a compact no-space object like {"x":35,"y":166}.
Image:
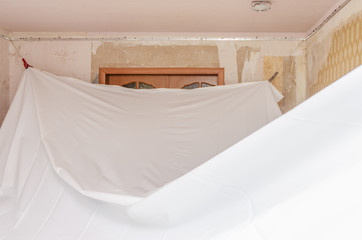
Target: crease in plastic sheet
{"x":296,"y":178}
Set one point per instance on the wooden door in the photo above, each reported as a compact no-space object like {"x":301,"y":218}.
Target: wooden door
{"x":140,"y":78}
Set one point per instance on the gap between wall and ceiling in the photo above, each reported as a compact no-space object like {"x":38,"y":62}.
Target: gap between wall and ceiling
{"x":191,"y":36}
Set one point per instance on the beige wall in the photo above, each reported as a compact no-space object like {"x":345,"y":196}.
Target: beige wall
{"x":244,"y":61}
{"x":65,"y":58}
{"x":304,"y":67}
{"x":336,"y":49}
{"x":4,"y":78}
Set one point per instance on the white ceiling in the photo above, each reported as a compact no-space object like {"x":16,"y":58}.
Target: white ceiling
{"x":296,"y":17}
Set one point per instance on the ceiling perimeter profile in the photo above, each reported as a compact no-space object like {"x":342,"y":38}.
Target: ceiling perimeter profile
{"x":291,"y":18}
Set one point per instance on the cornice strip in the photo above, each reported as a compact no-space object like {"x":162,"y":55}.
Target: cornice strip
{"x":126,"y":38}
{"x":327,"y":19}
{"x":3,"y":36}
{"x":130,"y":38}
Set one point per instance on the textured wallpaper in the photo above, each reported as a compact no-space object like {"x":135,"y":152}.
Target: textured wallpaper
{"x":344,"y":55}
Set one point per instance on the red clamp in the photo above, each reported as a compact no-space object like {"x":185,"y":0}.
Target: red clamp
{"x":26,"y":65}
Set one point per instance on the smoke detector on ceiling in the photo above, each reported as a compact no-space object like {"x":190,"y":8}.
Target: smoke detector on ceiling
{"x":261,"y":5}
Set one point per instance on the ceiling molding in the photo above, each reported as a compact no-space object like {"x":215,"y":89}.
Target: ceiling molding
{"x":328,"y":16}
{"x":169,"y":36}
{"x":153,"y":38}
{"x":5,"y":37}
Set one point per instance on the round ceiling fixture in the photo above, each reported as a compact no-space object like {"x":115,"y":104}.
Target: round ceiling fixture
{"x":261,"y":5}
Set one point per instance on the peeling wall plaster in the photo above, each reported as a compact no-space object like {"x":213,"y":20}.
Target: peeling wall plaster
{"x":117,"y":54}
{"x":289,"y":83}
{"x":336,"y":49}
{"x":274,"y":64}
{"x":243,"y":60}
{"x":259,"y":60}
{"x":304,"y":67}
{"x":66,"y":58}
{"x":227,"y":57}
{"x":4,"y":79}
{"x":252,"y":66}
{"x":301,"y":79}
{"x":286,"y":80}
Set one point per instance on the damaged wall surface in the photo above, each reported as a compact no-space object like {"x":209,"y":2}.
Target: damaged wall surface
{"x":115,"y":54}
{"x":4,"y":78}
{"x":244,"y":61}
{"x":304,"y":67}
{"x":67,"y":58}
{"x":336,"y":49}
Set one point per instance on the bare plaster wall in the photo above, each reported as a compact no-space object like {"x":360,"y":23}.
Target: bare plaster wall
{"x":243,"y":61}
{"x":65,"y":58}
{"x":336,"y":49}
{"x":259,"y":60}
{"x":304,"y":67}
{"x":4,"y":79}
{"x":118,"y":54}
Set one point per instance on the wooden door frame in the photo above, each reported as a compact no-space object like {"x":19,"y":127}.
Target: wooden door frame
{"x":105,"y":71}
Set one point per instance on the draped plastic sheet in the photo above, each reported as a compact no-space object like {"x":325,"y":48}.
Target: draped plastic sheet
{"x":296,"y":178}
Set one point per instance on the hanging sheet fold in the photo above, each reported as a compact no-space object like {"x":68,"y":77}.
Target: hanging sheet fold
{"x":120,"y":145}
{"x":299,"y":177}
